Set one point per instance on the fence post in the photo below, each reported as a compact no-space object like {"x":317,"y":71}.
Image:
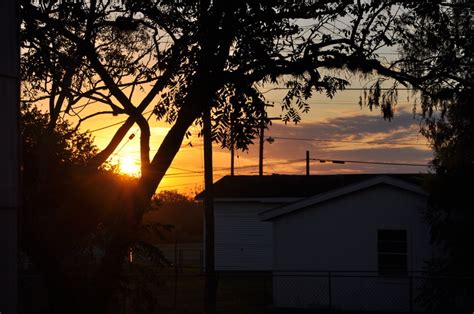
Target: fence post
{"x":411,"y":293}
{"x":264,"y":289}
{"x":201,"y":262}
{"x":329,"y":290}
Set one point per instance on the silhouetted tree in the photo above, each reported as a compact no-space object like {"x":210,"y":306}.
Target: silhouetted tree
{"x":66,"y":222}
{"x":194,"y":56}
{"x":440,"y":45}
{"x":59,"y":224}
{"x":180,"y":211}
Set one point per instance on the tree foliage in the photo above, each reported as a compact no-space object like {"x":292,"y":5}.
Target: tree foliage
{"x":182,"y":213}
{"x":67,"y":223}
{"x":439,"y":47}
{"x":70,"y":148}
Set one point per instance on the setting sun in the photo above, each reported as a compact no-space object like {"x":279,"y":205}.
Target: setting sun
{"x":129,"y":166}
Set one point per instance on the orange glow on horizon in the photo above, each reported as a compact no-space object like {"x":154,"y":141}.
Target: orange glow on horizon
{"x":339,"y":119}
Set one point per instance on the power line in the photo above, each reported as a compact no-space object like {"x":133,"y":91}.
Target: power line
{"x":193,"y":173}
{"x":345,"y":141}
{"x":132,"y":135}
{"x":177,"y":185}
{"x":187,"y":170}
{"x":187,"y":145}
{"x":267,"y":164}
{"x":107,"y":126}
{"x":128,"y":140}
{"x":117,"y":123}
{"x":184,"y":175}
{"x":346,"y":89}
{"x":333,"y":102}
{"x":218,"y":169}
{"x":336,"y":161}
{"x":189,"y":175}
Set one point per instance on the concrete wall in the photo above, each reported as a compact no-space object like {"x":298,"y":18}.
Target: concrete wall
{"x":242,"y":241}
{"x":341,"y":235}
{"x":9,"y":196}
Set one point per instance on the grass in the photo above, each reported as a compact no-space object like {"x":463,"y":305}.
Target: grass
{"x":236,"y":293}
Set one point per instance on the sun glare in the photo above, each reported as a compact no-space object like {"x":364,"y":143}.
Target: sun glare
{"x":129,"y":166}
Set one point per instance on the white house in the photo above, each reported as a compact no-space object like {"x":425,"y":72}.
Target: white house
{"x":243,"y":242}
{"x":351,"y":248}
{"x":349,"y":242}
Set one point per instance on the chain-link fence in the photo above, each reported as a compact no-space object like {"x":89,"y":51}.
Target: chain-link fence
{"x":345,"y":291}
{"x":183,"y":256}
{"x":269,"y":292}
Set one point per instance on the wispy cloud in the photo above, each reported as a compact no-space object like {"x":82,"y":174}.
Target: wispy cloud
{"x":358,"y":137}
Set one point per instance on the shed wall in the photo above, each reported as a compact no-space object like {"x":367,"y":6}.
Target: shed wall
{"x":242,"y":241}
{"x":341,"y":235}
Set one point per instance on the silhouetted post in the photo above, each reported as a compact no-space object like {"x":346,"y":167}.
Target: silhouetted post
{"x":410,"y":293}
{"x":9,"y":165}
{"x":232,"y":156}
{"x":263,"y":117}
{"x":260,"y":147}
{"x":210,"y":301}
{"x":330,"y":290}
{"x":232,"y":153}
{"x":175,"y":268}
{"x":307,"y":162}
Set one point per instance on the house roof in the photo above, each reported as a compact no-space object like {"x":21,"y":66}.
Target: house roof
{"x":338,"y":192}
{"x":292,"y":186}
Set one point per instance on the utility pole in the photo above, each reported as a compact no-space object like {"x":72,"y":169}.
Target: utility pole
{"x":260,"y":148}
{"x":9,"y":159}
{"x":307,"y":162}
{"x":232,"y":156}
{"x":232,"y":148}
{"x":211,"y":285}
{"x":263,"y":117}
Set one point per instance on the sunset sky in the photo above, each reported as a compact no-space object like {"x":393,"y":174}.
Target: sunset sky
{"x":334,"y":129}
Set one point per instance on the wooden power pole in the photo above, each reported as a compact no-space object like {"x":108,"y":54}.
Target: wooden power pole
{"x":211,"y":285}
{"x":260,"y":146}
{"x":232,"y":158}
{"x":263,"y":117}
{"x":307,"y":162}
{"x":9,"y":159}
{"x":9,"y":164}
{"x":232,"y":148}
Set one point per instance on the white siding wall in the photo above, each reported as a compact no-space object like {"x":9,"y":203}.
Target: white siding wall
{"x":242,"y":241}
{"x":341,"y":235}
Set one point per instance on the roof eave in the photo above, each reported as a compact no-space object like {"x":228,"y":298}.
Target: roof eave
{"x":323,"y":197}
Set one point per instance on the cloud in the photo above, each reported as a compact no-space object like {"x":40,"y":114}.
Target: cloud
{"x":358,"y":137}
{"x":355,"y":127}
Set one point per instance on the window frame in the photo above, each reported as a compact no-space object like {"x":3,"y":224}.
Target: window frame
{"x":392,"y":252}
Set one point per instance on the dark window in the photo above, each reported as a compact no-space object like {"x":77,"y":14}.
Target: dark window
{"x":392,"y":252}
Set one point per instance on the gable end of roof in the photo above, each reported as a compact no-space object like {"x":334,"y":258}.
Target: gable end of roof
{"x":323,"y":197}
